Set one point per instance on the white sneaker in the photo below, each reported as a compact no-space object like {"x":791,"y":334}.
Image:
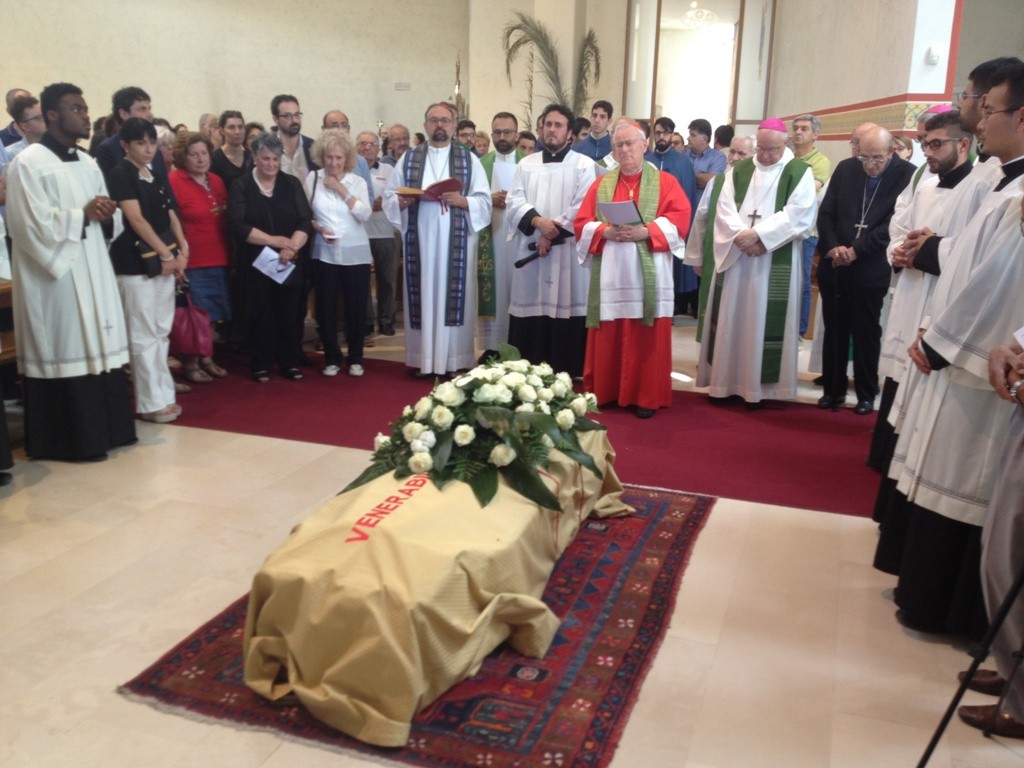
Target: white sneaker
{"x":355,"y":370}
{"x":331,"y":370}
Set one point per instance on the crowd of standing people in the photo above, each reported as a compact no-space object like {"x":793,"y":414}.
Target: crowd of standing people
{"x":578,"y":244}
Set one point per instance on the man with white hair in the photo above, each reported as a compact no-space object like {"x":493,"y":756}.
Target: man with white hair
{"x":750,"y":339}
{"x":629,"y":306}
{"x":700,"y":244}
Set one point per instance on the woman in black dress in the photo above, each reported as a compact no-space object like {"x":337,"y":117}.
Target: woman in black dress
{"x":270,"y":218}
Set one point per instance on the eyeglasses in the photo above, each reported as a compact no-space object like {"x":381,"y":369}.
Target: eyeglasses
{"x":367,"y":144}
{"x":467,"y":134}
{"x":290,"y":116}
{"x":872,"y":159}
{"x":30,"y":119}
{"x":338,"y":124}
{"x":770,"y":150}
{"x":630,"y":143}
{"x":987,"y":112}
{"x":504,"y":132}
{"x":935,"y":144}
{"x":965,"y":94}
{"x":440,"y":120}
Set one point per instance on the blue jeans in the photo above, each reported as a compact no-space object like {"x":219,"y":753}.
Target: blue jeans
{"x":805,"y":298}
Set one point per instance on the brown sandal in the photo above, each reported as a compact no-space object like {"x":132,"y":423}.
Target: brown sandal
{"x":213,"y":369}
{"x":197,"y":375}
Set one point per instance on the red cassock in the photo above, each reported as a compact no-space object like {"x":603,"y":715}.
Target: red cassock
{"x":626,"y":361}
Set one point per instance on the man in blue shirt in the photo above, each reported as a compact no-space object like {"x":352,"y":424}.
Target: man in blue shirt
{"x":707,"y":161}
{"x":11,"y":134}
{"x":598,"y":145}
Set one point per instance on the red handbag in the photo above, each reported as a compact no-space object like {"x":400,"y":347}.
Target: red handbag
{"x":190,"y":333}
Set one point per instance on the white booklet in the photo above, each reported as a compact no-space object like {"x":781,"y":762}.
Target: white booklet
{"x":503,"y":174}
{"x":621,"y":214}
{"x":269,"y":263}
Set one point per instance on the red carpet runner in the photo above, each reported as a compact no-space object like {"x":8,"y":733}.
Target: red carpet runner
{"x":614,"y":589}
{"x":790,"y":454}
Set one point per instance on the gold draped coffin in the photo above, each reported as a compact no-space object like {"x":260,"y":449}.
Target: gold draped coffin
{"x":395,"y":591}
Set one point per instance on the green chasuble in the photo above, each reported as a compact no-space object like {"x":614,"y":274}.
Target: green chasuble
{"x":781,"y":268}
{"x":486,"y":280}
{"x":647,"y":203}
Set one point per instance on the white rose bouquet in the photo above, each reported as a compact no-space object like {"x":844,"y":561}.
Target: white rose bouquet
{"x":502,"y":417}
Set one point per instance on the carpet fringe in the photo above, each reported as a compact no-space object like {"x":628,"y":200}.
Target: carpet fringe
{"x":188,"y":714}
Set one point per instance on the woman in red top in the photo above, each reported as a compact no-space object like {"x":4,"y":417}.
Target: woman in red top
{"x":202,"y":208}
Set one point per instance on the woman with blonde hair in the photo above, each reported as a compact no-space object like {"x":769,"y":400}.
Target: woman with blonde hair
{"x":341,"y":250}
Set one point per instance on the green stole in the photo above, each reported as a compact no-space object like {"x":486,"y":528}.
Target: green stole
{"x":778,"y":276}
{"x":486,"y":281}
{"x":650,"y":194}
{"x":707,"y":269}
{"x":917,"y":176}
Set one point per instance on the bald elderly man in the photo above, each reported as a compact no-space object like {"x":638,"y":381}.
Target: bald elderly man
{"x":854,"y":273}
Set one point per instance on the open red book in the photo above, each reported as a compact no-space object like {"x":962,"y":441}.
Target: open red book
{"x":434,"y":191}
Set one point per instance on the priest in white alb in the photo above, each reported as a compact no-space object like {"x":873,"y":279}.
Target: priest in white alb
{"x":952,"y":428}
{"x":440,"y":253}
{"x":548,"y":310}
{"x":943,"y":201}
{"x":751,"y":332}
{"x":68,"y":322}
{"x":631,"y":298}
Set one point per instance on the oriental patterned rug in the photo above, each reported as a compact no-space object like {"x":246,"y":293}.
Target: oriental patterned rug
{"x":614,"y":589}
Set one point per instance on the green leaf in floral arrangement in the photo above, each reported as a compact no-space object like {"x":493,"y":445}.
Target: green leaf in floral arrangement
{"x":402,"y":471}
{"x":583,"y":424}
{"x":443,"y":449}
{"x":525,"y":480}
{"x":484,"y":485}
{"x":508,"y":352}
{"x":543,"y":422}
{"x":372,"y":472}
{"x":570,"y":446}
{"x":494,"y":417}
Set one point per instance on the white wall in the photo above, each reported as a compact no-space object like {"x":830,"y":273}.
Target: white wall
{"x":196,"y":56}
{"x":834,"y":52}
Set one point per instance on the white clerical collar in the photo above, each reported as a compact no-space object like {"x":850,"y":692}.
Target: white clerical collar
{"x":509,"y":158}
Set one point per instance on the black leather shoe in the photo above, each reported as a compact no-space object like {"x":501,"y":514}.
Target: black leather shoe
{"x":864,"y":407}
{"x":6,"y":478}
{"x":835,"y":403}
{"x":387,"y":330}
{"x":644,"y":413}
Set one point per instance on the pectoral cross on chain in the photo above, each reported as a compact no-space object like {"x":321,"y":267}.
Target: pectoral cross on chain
{"x":108,"y":327}
{"x":754,"y":217}
{"x":860,"y":227}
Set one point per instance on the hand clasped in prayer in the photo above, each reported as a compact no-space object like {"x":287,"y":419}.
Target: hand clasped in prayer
{"x":626,"y":233}
{"x":749,"y":242}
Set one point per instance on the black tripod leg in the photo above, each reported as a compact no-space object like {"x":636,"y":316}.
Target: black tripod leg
{"x":980,"y":653}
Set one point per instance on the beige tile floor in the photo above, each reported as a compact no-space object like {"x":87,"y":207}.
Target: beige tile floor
{"x":782,"y":650}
